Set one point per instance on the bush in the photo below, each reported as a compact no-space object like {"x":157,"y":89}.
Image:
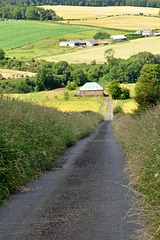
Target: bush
{"x":101,"y":35}
{"x":117,"y":109}
{"x":71,"y":86}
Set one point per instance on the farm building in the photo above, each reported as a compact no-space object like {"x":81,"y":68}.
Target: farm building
{"x":78,"y":43}
{"x":118,"y":38}
{"x":91,"y":88}
{"x":148,"y":32}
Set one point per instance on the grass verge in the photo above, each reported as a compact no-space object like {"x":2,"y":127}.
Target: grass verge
{"x":140,"y":137}
{"x":33,"y":137}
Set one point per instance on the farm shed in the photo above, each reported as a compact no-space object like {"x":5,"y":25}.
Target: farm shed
{"x":77,"y":43}
{"x":118,"y":38}
{"x":91,"y":88}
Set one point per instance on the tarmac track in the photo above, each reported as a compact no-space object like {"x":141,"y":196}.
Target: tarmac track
{"x":87,"y":199}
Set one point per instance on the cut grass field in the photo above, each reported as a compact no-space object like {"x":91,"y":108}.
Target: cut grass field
{"x":80,"y":12}
{"x":122,"y":50}
{"x":122,"y":22}
{"x":55,"y":99}
{"x":7,"y":73}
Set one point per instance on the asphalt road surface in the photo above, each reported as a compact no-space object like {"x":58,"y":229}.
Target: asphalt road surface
{"x":87,"y":199}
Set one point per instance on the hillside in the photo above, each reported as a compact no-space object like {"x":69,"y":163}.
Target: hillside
{"x":139,"y":135}
{"x":33,"y":137}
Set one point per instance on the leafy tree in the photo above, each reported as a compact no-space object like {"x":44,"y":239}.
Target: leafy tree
{"x":2,"y":54}
{"x":60,"y":67}
{"x":109,"y":54}
{"x":45,"y":80}
{"x":79,"y":77}
{"x":147,"y":91}
{"x":71,"y":85}
{"x":115,"y":89}
{"x":101,"y":35}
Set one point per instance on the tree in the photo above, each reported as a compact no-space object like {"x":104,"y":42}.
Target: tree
{"x":101,"y":35}
{"x":109,"y":54}
{"x":60,"y":67}
{"x":147,"y":91}
{"x":45,"y":80}
{"x":71,"y":85}
{"x":79,"y":77}
{"x":2,"y":54}
{"x":115,"y":89}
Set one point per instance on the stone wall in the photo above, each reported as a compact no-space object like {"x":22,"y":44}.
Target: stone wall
{"x":93,"y":92}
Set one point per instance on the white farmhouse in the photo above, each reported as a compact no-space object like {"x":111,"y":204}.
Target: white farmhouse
{"x":91,"y":88}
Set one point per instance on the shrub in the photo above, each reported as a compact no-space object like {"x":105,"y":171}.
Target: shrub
{"x":71,"y":85}
{"x":117,"y":109}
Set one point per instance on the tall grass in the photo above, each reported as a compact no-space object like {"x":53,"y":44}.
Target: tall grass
{"x":33,"y":137}
{"x":140,"y":136}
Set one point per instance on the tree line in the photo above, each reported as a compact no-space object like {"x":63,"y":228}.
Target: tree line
{"x":139,"y":3}
{"x":23,"y":11}
{"x":142,"y":68}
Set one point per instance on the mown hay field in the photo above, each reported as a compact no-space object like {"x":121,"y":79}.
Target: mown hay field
{"x":55,"y":99}
{"x":80,"y":12}
{"x":14,"y":34}
{"x":122,"y":50}
{"x":8,"y":73}
{"x":123,"y":22}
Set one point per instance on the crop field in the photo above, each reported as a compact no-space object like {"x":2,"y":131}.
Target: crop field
{"x":79,"y":12}
{"x":55,"y":99}
{"x":122,"y":50}
{"x":14,"y":34}
{"x":7,"y":73}
{"x":50,"y":46}
{"x":122,"y":22}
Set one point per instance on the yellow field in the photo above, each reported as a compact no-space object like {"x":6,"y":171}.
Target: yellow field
{"x":79,"y":12}
{"x":123,"y":22}
{"x":122,"y":50}
{"x":6,"y":73}
{"x":55,"y":99}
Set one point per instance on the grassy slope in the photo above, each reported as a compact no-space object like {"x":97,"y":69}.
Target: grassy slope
{"x":139,"y":136}
{"x":122,"y":50}
{"x":33,"y":137}
{"x":19,"y":33}
{"x":50,"y":46}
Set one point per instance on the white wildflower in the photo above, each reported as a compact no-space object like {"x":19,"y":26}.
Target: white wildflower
{"x":156,"y":175}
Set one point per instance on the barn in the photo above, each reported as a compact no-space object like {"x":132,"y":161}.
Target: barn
{"x":91,"y":88}
{"x":118,"y":38}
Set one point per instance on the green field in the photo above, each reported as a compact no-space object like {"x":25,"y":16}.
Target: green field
{"x":14,"y":34}
{"x":50,"y":46}
{"x":122,"y":50}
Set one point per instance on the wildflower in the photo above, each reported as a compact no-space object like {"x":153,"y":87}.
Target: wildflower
{"x":156,"y":175}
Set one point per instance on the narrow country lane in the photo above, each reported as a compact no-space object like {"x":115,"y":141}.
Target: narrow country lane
{"x":87,"y":199}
